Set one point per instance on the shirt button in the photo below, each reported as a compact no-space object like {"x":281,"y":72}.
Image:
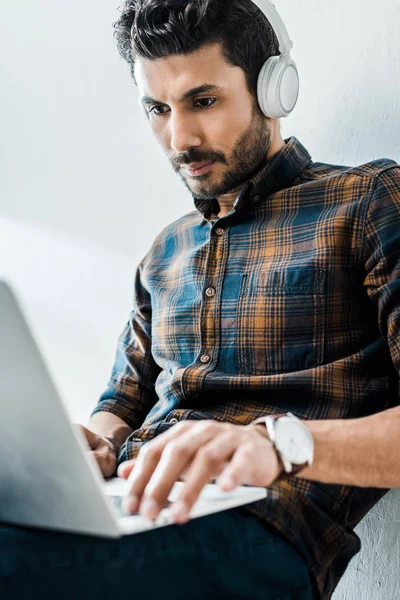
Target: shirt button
{"x":174,"y":420}
{"x":205,"y":358}
{"x":256,"y":199}
{"x":220,"y":231}
{"x":210,"y":292}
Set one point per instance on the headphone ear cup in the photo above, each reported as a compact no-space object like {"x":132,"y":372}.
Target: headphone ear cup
{"x":278,"y":87}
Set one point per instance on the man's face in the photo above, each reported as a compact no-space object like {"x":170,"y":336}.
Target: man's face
{"x":203,"y":115}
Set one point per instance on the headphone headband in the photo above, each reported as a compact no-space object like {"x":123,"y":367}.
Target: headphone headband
{"x":285,"y":43}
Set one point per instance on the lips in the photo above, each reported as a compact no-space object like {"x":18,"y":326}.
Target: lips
{"x":195,"y":166}
{"x":199,"y":168}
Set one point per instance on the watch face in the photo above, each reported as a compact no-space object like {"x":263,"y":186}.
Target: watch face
{"x":293,"y":440}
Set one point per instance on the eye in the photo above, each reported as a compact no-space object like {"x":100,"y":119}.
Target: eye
{"x":207,"y":102}
{"x":157,"y":110}
{"x":160,"y":110}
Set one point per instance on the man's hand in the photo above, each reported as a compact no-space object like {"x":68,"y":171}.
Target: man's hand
{"x":236,"y":454}
{"x":102,"y":449}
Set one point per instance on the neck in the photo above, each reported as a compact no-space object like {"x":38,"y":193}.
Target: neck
{"x":226,"y":201}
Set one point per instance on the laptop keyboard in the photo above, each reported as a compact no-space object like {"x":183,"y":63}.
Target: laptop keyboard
{"x":117,"y":503}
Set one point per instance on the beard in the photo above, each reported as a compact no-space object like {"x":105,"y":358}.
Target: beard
{"x":247,"y":157}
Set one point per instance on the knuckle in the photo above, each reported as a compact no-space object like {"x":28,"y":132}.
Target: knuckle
{"x":228,"y":426}
{"x":184,"y":424}
{"x":229,"y":435}
{"x":209,"y":454}
{"x":176,"y":447}
{"x":107,"y":446}
{"x":148,"y":451}
{"x":104,"y":462}
{"x":204,"y":426}
{"x":104,"y":450}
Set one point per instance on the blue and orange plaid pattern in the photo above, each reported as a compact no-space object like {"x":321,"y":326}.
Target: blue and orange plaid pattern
{"x":290,"y":302}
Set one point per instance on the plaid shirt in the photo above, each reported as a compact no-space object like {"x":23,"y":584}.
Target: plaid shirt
{"x":289,"y":302}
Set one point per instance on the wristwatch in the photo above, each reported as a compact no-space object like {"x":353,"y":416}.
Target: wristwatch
{"x":292,"y":441}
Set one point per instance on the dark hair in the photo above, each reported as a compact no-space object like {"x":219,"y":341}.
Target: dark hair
{"x":158,"y":28}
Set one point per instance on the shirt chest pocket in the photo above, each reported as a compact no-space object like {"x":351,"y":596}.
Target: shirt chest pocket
{"x":281,"y":321}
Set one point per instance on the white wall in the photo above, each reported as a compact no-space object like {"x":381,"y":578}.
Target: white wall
{"x":84,"y":188}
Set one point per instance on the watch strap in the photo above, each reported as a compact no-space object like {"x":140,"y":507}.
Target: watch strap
{"x":269,"y":421}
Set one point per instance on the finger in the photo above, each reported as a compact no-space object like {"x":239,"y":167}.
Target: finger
{"x":157,"y":473}
{"x":209,"y":461}
{"x":146,"y":462}
{"x":126,"y":467}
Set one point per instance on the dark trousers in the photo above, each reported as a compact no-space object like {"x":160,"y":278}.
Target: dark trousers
{"x":230,"y":554}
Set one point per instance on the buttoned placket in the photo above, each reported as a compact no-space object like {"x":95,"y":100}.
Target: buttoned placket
{"x":210,"y":308}
{"x":210,"y":314}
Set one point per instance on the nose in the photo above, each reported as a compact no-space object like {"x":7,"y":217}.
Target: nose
{"x":184,"y":134}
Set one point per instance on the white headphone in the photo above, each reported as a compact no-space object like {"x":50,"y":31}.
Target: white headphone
{"x":278,"y":80}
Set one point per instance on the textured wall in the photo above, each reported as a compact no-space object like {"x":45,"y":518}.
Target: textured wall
{"x":84,"y":189}
{"x":374,"y":572}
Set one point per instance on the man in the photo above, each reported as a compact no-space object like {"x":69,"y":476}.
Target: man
{"x":279,"y":292}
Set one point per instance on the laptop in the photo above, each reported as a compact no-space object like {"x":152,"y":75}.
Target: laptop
{"x":48,"y":478}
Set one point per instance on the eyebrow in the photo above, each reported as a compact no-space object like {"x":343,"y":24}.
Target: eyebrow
{"x":207,"y":87}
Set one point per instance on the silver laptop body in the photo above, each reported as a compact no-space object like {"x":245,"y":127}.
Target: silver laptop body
{"x":48,"y":478}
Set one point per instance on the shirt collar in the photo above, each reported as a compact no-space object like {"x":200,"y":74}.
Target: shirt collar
{"x":276,"y":174}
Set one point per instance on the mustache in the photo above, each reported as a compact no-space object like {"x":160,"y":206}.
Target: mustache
{"x":195,"y":156}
